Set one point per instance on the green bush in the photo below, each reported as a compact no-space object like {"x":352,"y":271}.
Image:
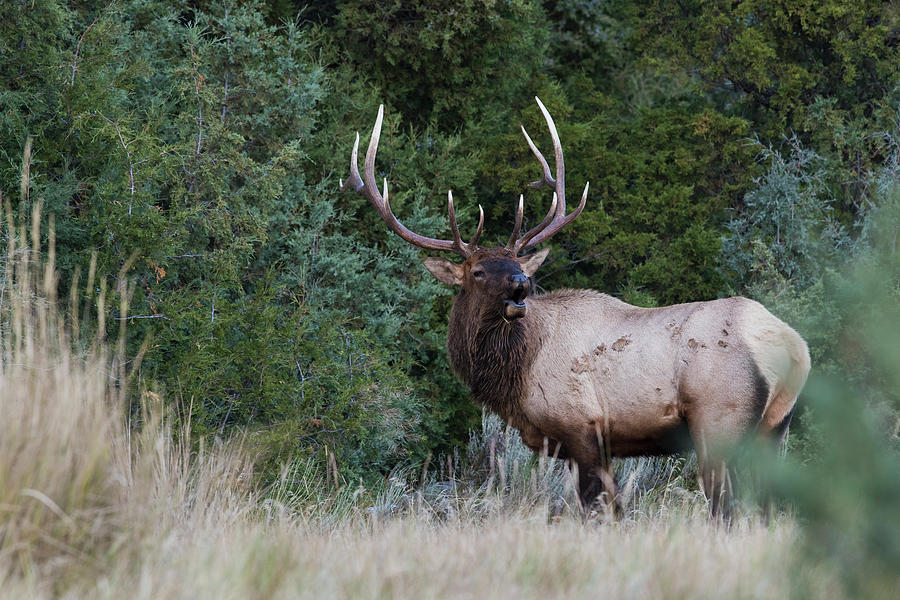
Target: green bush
{"x":847,"y":491}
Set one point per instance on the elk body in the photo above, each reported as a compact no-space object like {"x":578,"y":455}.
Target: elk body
{"x":587,"y":377}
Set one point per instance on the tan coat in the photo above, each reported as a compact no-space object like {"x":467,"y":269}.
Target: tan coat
{"x":637,"y":375}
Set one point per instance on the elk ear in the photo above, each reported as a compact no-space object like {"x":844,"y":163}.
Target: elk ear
{"x":530,"y":264}
{"x":445,"y":271}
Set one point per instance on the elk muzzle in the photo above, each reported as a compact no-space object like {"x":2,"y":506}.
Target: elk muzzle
{"x":514,"y":305}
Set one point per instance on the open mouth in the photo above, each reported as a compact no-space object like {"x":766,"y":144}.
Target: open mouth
{"x":513,"y":309}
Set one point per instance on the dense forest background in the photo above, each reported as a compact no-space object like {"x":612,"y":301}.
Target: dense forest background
{"x":188,"y":155}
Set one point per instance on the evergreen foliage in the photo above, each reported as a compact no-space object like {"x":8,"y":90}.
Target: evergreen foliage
{"x":451,"y":63}
{"x":780,"y":56}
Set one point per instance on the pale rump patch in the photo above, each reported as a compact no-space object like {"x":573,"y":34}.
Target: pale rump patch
{"x":781,"y":356}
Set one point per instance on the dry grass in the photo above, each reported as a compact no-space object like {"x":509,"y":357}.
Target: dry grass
{"x":90,"y":507}
{"x":415,"y":558}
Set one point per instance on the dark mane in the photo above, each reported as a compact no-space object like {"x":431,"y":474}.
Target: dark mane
{"x":491,"y":355}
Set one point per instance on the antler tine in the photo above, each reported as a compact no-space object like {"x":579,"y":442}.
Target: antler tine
{"x":369,"y":166}
{"x":520,"y":209}
{"x":537,"y":229}
{"x":560,"y":183}
{"x":548,"y":178}
{"x":368,"y":187}
{"x":473,"y":244}
{"x":558,"y":223}
{"x":465,"y":249}
{"x":454,"y":228}
{"x":556,"y":218}
{"x":355,"y":180}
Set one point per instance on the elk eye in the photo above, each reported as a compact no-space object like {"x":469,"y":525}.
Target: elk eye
{"x":478,"y":274}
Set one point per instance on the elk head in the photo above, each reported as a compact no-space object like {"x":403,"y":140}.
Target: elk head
{"x":498,"y":277}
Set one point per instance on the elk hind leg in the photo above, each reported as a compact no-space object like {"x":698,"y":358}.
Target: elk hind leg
{"x":778,"y":437}
{"x":718,"y":423}
{"x":597,"y":486}
{"x":717,"y":486}
{"x":715,"y":477}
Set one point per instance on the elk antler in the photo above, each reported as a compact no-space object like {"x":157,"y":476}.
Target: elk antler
{"x":368,"y":188}
{"x":556,"y":218}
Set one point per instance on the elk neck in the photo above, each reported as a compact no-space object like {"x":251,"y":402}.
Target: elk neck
{"x":492,"y":355}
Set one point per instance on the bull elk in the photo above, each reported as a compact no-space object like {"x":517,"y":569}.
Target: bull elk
{"x":585,"y":376}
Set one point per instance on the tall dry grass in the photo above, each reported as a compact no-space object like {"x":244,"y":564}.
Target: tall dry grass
{"x":77,"y":483}
{"x":94,"y":505}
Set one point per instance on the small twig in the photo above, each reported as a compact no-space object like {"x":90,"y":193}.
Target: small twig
{"x":198,"y":80}
{"x":304,"y":377}
{"x":225,"y":96}
{"x":349,"y":357}
{"x":128,"y":318}
{"x":124,"y":145}
{"x":78,"y":50}
{"x":420,"y":342}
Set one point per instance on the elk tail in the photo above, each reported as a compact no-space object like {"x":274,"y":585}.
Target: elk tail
{"x":782,"y":358}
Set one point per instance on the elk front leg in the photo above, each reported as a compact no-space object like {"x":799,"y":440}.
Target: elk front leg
{"x":593,"y":470}
{"x":598,"y":483}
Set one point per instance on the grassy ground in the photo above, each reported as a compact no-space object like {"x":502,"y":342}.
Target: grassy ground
{"x":93,"y":508}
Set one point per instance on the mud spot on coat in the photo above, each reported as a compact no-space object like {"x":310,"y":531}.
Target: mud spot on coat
{"x":582,"y":364}
{"x":723,"y":344}
{"x":599,"y":349}
{"x":675,"y":329}
{"x":694,"y":344}
{"x":619,"y":344}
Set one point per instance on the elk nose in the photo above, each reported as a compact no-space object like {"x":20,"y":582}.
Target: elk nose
{"x":520,"y":287}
